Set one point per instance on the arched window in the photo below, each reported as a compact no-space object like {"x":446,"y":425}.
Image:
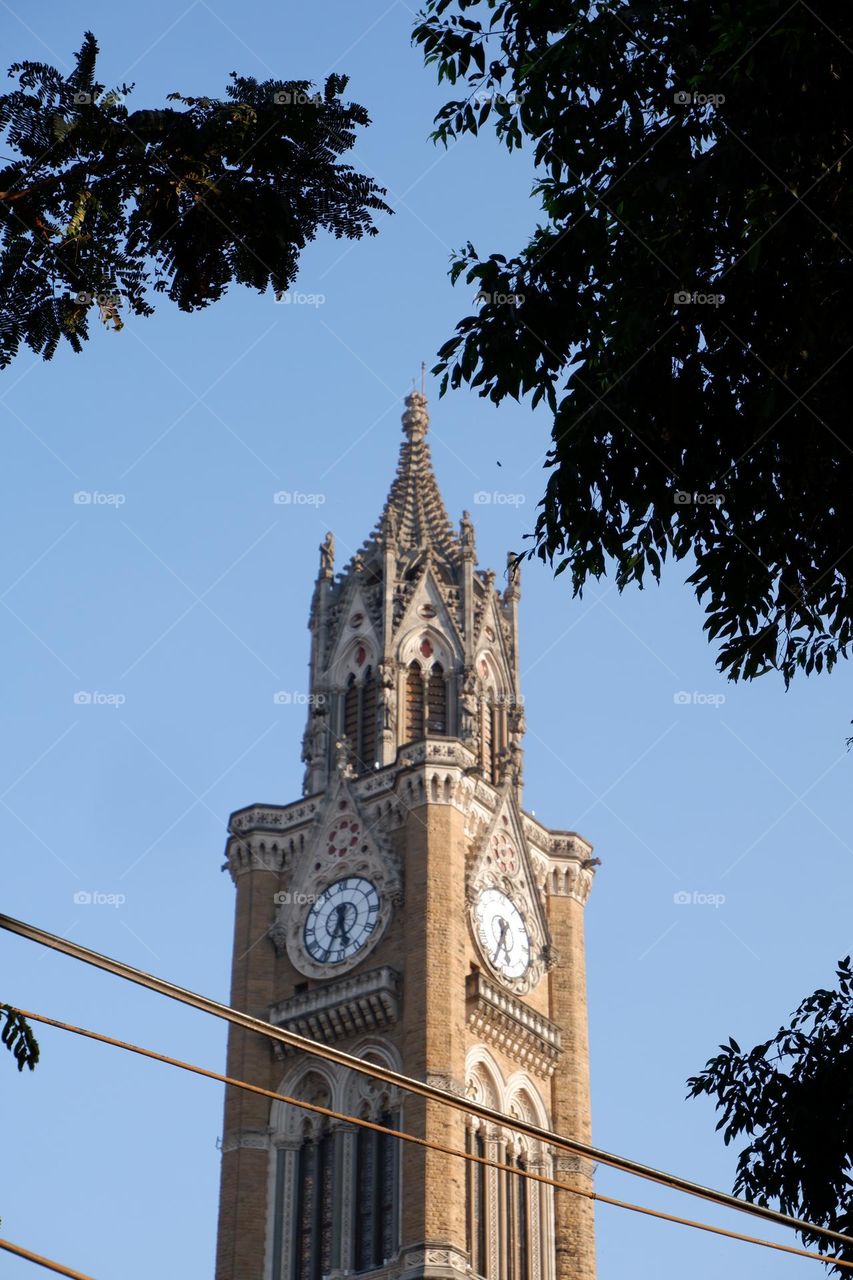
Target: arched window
{"x":414,"y":703}
{"x":303,"y":1228}
{"x":476,"y":1203}
{"x":313,"y":1227}
{"x":377,"y":1174}
{"x":437,"y":700}
{"x":350,"y":725}
{"x":518,"y":1220}
{"x":367,"y":728}
{"x":509,"y":1218}
{"x":335,"y":1186}
{"x":357,"y":722}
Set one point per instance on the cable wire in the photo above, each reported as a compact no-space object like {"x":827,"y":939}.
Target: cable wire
{"x":400,"y":1081}
{"x":20,"y":1252}
{"x":429,"y":1143}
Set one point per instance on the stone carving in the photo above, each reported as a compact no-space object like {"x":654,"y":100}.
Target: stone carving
{"x":388,"y":698}
{"x":466,"y":536}
{"x":468,"y":702}
{"x":528,"y":1037}
{"x":343,"y":763}
{"x":327,"y":556}
{"x":366,"y":1001}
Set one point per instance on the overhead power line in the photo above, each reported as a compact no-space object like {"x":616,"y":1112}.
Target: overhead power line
{"x":468,"y":1156}
{"x":49,"y":1265}
{"x":400,"y":1081}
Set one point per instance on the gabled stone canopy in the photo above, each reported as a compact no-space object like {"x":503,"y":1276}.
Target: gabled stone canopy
{"x":412,"y":599}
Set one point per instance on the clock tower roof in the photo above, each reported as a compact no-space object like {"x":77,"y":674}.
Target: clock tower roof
{"x":414,"y":516}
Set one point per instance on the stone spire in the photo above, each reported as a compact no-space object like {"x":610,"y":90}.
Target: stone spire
{"x":415,"y":509}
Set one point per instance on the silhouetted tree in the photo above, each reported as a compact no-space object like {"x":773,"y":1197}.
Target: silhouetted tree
{"x":214,"y":191}
{"x":793,"y":1098}
{"x":684,"y":305}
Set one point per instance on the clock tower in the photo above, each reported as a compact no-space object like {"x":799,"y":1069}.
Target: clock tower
{"x":407,"y":909}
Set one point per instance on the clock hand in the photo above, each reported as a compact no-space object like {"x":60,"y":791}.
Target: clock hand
{"x":502,"y":942}
{"x":340,"y":929}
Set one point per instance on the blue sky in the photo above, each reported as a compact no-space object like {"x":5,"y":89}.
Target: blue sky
{"x":182,"y":603}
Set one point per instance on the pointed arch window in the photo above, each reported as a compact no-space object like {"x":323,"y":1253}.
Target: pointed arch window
{"x":367,"y":726}
{"x":377,"y":1175}
{"x":437,"y":700}
{"x":357,"y":722}
{"x":414,"y":703}
{"x":488,"y":736}
{"x":509,"y":1219}
{"x":315,"y":1172}
{"x":336,"y":1187}
{"x":350,"y":725}
{"x":476,"y":1203}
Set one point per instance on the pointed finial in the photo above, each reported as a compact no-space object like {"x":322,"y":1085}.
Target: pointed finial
{"x":423,"y":378}
{"x":415,"y":417}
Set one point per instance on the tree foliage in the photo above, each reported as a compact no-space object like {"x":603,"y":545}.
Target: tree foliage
{"x":683,"y":306}
{"x":18,"y":1038}
{"x":98,"y":197}
{"x":793,"y":1097}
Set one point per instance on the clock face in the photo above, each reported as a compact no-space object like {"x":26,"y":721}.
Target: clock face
{"x":341,"y":920}
{"x":502,"y":934}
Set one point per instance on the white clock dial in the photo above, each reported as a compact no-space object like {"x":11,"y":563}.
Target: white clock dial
{"x":341,"y":920}
{"x":502,"y":934}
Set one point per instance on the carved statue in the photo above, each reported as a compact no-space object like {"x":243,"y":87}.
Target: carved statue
{"x":317,"y":733}
{"x":343,"y":764}
{"x":466,"y":532}
{"x":468,"y":705}
{"x":327,"y":555}
{"x":388,"y":698}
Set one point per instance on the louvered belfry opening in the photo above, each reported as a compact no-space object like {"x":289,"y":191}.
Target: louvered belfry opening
{"x":367,"y":730}
{"x":358,"y":720}
{"x":437,"y":700}
{"x":351,"y":711}
{"x":414,"y":703}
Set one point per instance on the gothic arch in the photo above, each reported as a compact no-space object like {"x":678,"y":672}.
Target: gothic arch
{"x":334,"y":1187}
{"x":359,"y":1089}
{"x":510,"y":1219}
{"x":355,"y":660}
{"x":301,"y":1081}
